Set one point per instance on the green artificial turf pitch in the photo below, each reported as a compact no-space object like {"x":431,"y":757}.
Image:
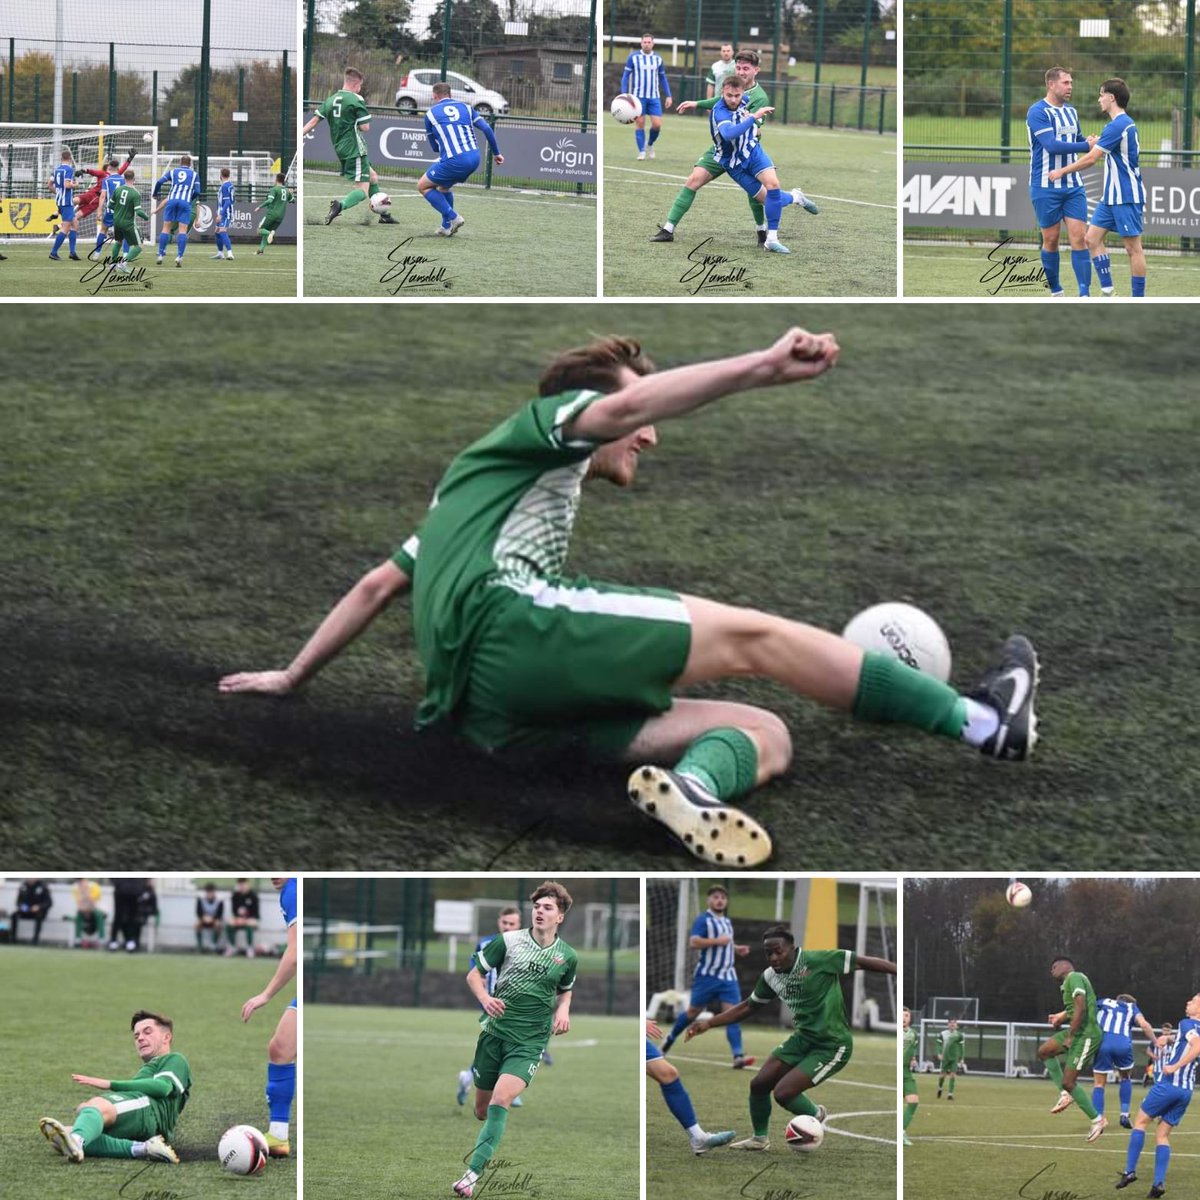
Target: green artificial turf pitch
{"x":153,"y":540}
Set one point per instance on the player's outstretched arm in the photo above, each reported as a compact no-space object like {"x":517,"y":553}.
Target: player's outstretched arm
{"x":348,"y":618}
{"x":284,"y":973}
{"x":876,"y":964}
{"x":796,"y":356}
{"x":729,"y":1017}
{"x":1080,"y":164}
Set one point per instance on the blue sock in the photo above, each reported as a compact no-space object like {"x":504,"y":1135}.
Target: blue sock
{"x":450,"y":199}
{"x":1139,"y":284}
{"x":281,"y":1087}
{"x":1103,"y":265}
{"x":734,"y":1034}
{"x":1162,"y":1156}
{"x":181,"y":240}
{"x":58,"y":241}
{"x":99,"y":239}
{"x":681,"y":1023}
{"x":1126,"y":1094}
{"x":71,"y":240}
{"x":163,"y":238}
{"x":639,"y":136}
{"x":439,"y":202}
{"x":1136,"y":1139}
{"x":773,"y":206}
{"x":1098,"y":1100}
{"x":1081,"y":264}
{"x":1050,"y":266}
{"x":680,"y":1103}
{"x":654,"y":134}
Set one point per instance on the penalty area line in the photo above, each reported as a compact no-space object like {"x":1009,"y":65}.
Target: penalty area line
{"x":862,"y":1137}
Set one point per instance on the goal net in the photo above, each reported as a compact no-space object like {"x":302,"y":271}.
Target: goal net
{"x":29,"y":155}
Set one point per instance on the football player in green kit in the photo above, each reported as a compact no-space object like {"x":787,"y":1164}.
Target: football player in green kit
{"x":278,"y":198}
{"x":130,"y":1118}
{"x":909,"y":1056}
{"x":808,"y":982}
{"x":535,"y":972}
{"x":951,"y":1056}
{"x":1077,"y":1040}
{"x":525,"y":661}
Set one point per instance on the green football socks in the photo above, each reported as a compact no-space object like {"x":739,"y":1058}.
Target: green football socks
{"x":89,"y":1124}
{"x":910,"y":1111}
{"x":488,"y":1141}
{"x":723,"y":761}
{"x":760,"y":1113}
{"x":353,"y":197}
{"x":683,"y":201}
{"x":801,"y":1106}
{"x":758,"y":213}
{"x":889,"y":690}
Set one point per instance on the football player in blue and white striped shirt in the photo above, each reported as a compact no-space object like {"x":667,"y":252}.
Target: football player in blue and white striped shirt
{"x":1167,"y":1099}
{"x":735,"y":139}
{"x":645,"y":76}
{"x":224,"y":216}
{"x":1053,"y":131}
{"x":1124,"y":197}
{"x":450,"y":127}
{"x":715,"y":982}
{"x":183,"y":186}
{"x":104,"y":218}
{"x":1115,"y":1017}
{"x":63,"y":183}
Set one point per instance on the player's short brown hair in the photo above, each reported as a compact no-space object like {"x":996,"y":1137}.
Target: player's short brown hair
{"x":1055,"y":73}
{"x":508,"y":910}
{"x":129,"y":175}
{"x":143,"y":1014}
{"x":717,"y":887}
{"x":560,"y":894}
{"x":353,"y":74}
{"x":225,"y":172}
{"x":1118,"y":89}
{"x":1126,"y":998}
{"x":747,"y":56}
{"x":185,"y":160}
{"x":441,"y":88}
{"x":596,"y":365}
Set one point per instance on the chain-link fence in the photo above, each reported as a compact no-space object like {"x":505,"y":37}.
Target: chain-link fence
{"x":529,"y":58}
{"x":824,"y":62}
{"x":972,"y":68}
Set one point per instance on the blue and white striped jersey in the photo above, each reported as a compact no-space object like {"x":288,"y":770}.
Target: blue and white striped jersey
{"x":645,"y":76}
{"x":1185,"y":1079}
{"x":1122,"y":178}
{"x":107,"y":188}
{"x":489,"y":978}
{"x":1048,"y":122}
{"x":287,"y":902}
{"x":63,"y":195}
{"x":1115,"y":1017}
{"x":182,"y":181}
{"x":453,"y":125}
{"x":225,"y":201}
{"x":735,"y":151}
{"x":716,"y":962}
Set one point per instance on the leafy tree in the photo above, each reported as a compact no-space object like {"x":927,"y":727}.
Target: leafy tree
{"x":378,"y":23}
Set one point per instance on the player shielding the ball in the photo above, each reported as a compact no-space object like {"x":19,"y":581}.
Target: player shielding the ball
{"x":523,"y":661}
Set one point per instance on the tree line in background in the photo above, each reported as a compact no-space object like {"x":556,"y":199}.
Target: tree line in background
{"x":954,"y":53}
{"x":962,"y":938}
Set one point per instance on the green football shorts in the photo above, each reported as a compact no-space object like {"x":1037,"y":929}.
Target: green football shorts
{"x":271,"y":222}
{"x":910,"y":1083}
{"x":1082,"y":1050}
{"x":708,"y":161}
{"x":576,"y":665}
{"x":136,"y":1119}
{"x":357,"y":169}
{"x":818,"y":1060}
{"x":495,"y":1056}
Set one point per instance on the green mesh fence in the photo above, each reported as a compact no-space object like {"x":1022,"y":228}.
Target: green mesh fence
{"x":824,"y":62}
{"x":517,"y":58}
{"x":217,"y":77}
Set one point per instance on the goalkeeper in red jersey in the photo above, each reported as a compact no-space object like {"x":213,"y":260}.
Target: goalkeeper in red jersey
{"x":89,"y":201}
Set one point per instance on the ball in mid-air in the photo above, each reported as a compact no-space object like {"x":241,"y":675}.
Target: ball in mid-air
{"x":904,"y":631}
{"x":242,"y":1150}
{"x":147,"y":137}
{"x":626,"y":108}
{"x":1018,"y":895}
{"x":380,"y":202}
{"x":804,"y":1134}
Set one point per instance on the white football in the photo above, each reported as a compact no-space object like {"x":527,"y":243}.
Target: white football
{"x":381,"y":202}
{"x":905,"y":632}
{"x":147,"y":137}
{"x":1018,"y":895}
{"x":804,"y":1134}
{"x":626,"y":108}
{"x":242,"y":1150}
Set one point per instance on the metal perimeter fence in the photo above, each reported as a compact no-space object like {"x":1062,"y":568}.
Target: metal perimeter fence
{"x":217,"y":77}
{"x":823,"y":62}
{"x":972,"y":68}
{"x":527,"y":58}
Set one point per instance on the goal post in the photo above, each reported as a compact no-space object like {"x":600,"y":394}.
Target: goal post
{"x":29,"y":154}
{"x":874,"y":995}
